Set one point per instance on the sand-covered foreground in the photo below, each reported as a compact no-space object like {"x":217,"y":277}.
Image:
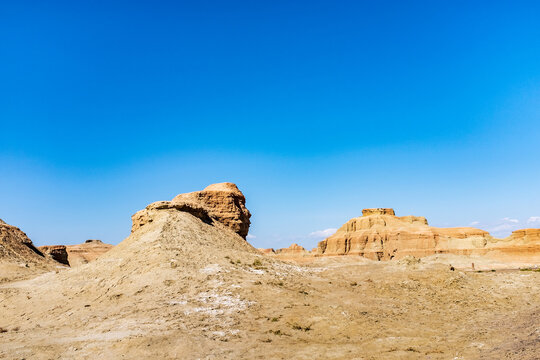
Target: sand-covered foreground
{"x":260,"y":308}
{"x":187,"y":285}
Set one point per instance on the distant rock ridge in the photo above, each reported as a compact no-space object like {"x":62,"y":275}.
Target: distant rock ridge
{"x":380,"y":235}
{"x":86,"y":252}
{"x":294,"y":249}
{"x":75,"y":255}
{"x":222,"y":202}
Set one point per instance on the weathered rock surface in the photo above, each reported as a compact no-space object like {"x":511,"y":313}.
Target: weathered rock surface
{"x":56,"y":252}
{"x":380,"y":235}
{"x":222,"y":202}
{"x":86,"y":252}
{"x":294,"y":249}
{"x":19,"y":257}
{"x":16,"y":246}
{"x":378,"y":211}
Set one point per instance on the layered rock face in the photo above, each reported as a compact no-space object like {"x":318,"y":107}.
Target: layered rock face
{"x":380,"y":235}
{"x":222,"y":202}
{"x":15,"y":246}
{"x":19,"y":258}
{"x":294,"y":249}
{"x":378,"y":211}
{"x":86,"y":252}
{"x":56,"y":252}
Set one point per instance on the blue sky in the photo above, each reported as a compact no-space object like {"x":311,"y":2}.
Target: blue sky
{"x":316,"y":109}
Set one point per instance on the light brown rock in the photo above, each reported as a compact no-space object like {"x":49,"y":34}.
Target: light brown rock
{"x":222,"y":202}
{"x":380,"y":235}
{"x":292,"y":250}
{"x":86,"y":252}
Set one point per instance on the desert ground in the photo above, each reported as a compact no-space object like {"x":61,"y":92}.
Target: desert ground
{"x":182,"y":288}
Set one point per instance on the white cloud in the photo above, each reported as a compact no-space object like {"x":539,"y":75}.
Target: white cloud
{"x":503,"y":227}
{"x":515,"y":221}
{"x":251,"y":237}
{"x":533,"y":220}
{"x":323,"y":233}
{"x":474,"y":223}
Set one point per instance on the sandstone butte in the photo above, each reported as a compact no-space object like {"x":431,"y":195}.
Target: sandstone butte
{"x":380,"y":235}
{"x":222,"y":202}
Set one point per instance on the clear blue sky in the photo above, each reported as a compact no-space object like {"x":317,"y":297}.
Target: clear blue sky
{"x":316,"y":109}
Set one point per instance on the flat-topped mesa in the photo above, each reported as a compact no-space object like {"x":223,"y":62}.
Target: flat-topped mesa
{"x":222,"y":202}
{"x":378,"y":211}
{"x":93,"y":241}
{"x":86,"y":252}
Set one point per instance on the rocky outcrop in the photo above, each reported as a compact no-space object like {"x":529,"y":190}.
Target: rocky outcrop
{"x":86,"y":252}
{"x":56,"y":252}
{"x":16,"y":246}
{"x":380,"y":235}
{"x":19,"y":258}
{"x":378,"y":211}
{"x":294,"y":249}
{"x":222,"y":202}
{"x":526,"y":236}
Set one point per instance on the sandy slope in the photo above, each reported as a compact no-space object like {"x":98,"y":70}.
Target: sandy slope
{"x":179,"y":288}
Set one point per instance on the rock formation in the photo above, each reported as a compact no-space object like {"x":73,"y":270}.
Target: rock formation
{"x":380,"y":235}
{"x":56,"y":252}
{"x":378,"y":211}
{"x":86,"y":252}
{"x":16,"y":246}
{"x":19,"y":258}
{"x":294,"y":249}
{"x":267,"y":251}
{"x":222,"y":202}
